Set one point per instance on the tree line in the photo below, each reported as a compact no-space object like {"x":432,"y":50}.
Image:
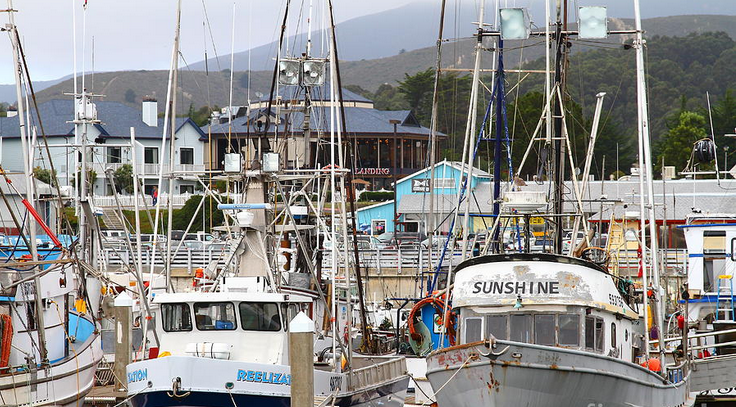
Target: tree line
{"x":680,"y":72}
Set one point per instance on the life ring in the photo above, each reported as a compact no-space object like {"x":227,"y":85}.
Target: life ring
{"x":438,"y":303}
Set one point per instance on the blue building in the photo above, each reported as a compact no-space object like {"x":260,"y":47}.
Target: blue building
{"x":412,"y":193}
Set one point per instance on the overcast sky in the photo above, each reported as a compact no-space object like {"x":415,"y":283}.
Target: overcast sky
{"x":138,"y":34}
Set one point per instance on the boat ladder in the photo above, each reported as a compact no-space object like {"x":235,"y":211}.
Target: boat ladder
{"x":724,"y":301}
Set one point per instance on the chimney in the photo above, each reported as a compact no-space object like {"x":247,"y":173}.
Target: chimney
{"x":12,"y":111}
{"x":150,"y":111}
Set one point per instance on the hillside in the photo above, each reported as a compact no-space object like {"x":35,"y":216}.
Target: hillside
{"x":368,"y":74}
{"x":414,"y":26}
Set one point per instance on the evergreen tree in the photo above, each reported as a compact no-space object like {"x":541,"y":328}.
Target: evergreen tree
{"x":677,"y":144}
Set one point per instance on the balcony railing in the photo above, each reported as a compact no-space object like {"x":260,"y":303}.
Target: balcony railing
{"x":148,"y":169}
{"x":128,"y":201}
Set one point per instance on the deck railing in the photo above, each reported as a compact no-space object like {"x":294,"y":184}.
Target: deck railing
{"x":377,"y":373}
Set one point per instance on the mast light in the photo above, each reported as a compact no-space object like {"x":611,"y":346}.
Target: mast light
{"x":289,"y":70}
{"x":592,"y":22}
{"x":313,"y":73}
{"x":515,"y":24}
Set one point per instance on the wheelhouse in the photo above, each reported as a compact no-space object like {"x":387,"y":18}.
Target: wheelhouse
{"x":545,"y":300}
{"x":191,"y":321}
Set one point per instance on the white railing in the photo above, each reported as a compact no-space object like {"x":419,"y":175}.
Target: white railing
{"x":408,"y":261}
{"x":128,"y":201}
{"x":378,"y":373}
{"x":148,"y":169}
{"x":186,"y":258}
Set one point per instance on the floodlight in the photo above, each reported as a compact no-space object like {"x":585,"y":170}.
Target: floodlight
{"x":313,"y":73}
{"x":289,"y":72}
{"x":592,"y":22}
{"x":514,"y":24}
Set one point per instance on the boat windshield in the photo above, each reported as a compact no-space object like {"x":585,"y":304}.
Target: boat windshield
{"x":176,"y":317}
{"x":211,"y":316}
{"x":260,"y":316}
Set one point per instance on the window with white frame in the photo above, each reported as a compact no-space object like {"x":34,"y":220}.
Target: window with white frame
{"x":444,"y":183}
{"x":186,"y":156}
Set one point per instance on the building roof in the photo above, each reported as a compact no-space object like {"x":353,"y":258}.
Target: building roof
{"x":117,"y":119}
{"x":359,"y":120}
{"x":680,"y":198}
{"x":443,"y":204}
{"x":19,"y":182}
{"x":319,"y":93}
{"x":477,"y":173}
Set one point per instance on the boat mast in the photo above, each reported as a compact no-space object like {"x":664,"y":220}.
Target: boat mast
{"x":430,"y":223}
{"x":347,"y":178}
{"x":28,"y":166}
{"x":172,"y":140}
{"x":558,"y":147}
{"x":646,"y":175}
{"x":469,"y":144}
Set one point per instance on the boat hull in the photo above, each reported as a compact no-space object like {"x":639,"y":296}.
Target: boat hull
{"x":65,"y":383}
{"x":516,"y":374}
{"x":204,"y":382}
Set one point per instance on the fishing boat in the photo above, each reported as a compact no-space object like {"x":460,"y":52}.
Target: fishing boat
{"x":227,"y":341}
{"x":54,"y":364}
{"x":50,"y":344}
{"x":203,"y":359}
{"x":554,"y":329}
{"x":545,"y":329}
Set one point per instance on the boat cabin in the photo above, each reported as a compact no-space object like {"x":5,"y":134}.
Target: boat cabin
{"x":249,"y":327}
{"x":545,"y":300}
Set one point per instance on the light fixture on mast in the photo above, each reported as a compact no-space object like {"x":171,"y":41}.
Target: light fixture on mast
{"x":313,"y":72}
{"x":592,"y":22}
{"x":515,"y":24}
{"x":289,"y":72}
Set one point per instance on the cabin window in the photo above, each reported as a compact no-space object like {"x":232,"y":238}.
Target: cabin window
{"x":496,"y":326}
{"x":613,"y":334}
{"x":289,"y":311}
{"x":714,"y":242}
{"x":521,"y":328}
{"x":473,"y":329}
{"x":176,"y":317}
{"x":260,"y":316}
{"x":544,"y":329}
{"x":599,"y":335}
{"x":594,"y":333}
{"x":214,"y":316}
{"x":569,"y":329}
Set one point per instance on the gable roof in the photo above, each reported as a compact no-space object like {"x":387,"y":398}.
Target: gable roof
{"x":358,"y":120}
{"x":477,"y":173}
{"x":319,"y":93}
{"x":117,"y":119}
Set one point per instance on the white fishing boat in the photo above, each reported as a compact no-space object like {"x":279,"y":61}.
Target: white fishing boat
{"x":233,"y":347}
{"x":50,"y":345}
{"x":56,"y":368}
